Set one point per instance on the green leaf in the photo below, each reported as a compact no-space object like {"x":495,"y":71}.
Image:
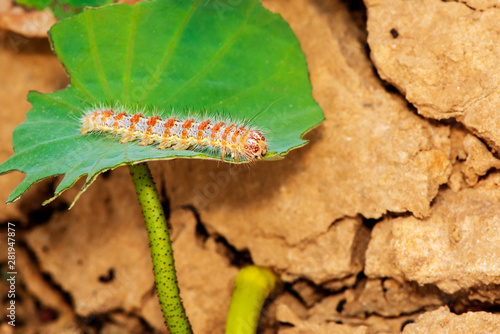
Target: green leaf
{"x":63,"y":8}
{"x":193,"y":56}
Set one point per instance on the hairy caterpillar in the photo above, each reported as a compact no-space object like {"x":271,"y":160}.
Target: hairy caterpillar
{"x":179,"y":134}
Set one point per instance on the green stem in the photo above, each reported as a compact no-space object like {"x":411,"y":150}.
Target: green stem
{"x":252,"y":286}
{"x":161,"y":250}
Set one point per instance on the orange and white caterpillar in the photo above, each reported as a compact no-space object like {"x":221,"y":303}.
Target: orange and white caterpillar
{"x":179,"y":134}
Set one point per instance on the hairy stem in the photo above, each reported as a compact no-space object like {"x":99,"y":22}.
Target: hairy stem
{"x":252,"y":286}
{"x":161,"y":250}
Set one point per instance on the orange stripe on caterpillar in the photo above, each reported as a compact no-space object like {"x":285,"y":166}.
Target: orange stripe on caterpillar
{"x":240,"y":142}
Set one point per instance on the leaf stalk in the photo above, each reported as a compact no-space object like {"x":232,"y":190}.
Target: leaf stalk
{"x":161,"y":250}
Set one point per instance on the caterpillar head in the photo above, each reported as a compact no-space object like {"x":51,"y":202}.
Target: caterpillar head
{"x":255,"y":146}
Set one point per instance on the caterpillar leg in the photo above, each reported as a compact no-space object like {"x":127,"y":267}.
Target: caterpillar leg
{"x":126,"y":138}
{"x":181,"y":146}
{"x":223,"y":152}
{"x":235,"y":155}
{"x":146,"y":141}
{"x":165,"y":144}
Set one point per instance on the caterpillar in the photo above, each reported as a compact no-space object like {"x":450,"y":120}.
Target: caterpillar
{"x":180,"y":134}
